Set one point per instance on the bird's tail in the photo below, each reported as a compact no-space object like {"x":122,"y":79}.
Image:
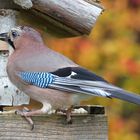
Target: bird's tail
{"x":96,"y":88}
{"x":127,"y":96}
{"x":93,"y":88}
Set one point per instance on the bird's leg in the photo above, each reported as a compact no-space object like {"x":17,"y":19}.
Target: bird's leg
{"x":67,"y":112}
{"x":68,"y":115}
{"x":26,"y":113}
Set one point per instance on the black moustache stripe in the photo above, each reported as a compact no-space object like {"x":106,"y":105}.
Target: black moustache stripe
{"x":11,"y":43}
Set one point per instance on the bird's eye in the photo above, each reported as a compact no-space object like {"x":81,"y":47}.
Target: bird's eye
{"x":14,"y":34}
{"x":4,"y":53}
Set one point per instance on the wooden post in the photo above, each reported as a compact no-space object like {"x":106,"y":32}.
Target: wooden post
{"x":65,"y":18}
{"x":9,"y":94}
{"x":84,"y":127}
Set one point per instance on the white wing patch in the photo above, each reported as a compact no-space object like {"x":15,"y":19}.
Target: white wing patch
{"x":72,"y":74}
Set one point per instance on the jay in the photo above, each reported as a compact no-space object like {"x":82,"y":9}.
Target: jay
{"x":51,"y":78}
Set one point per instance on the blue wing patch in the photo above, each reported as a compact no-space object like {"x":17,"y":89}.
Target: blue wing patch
{"x":49,"y":80}
{"x":40,"y":79}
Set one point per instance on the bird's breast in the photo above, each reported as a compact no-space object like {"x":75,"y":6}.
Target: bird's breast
{"x":57,"y":99}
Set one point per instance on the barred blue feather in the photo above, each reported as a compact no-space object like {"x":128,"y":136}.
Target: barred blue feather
{"x":49,"y":80}
{"x":40,"y":79}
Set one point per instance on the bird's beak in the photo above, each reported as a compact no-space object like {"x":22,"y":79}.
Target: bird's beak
{"x":4,"y":37}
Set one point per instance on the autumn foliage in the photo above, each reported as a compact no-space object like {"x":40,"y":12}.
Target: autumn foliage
{"x":113,"y":51}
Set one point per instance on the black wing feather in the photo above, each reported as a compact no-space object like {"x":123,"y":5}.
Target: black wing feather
{"x":63,"y":72}
{"x":84,"y":74}
{"x":81,"y":74}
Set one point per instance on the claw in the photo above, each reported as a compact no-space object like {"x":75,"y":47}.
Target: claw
{"x":68,"y":115}
{"x":30,"y":121}
{"x":67,"y":112}
{"x":69,"y":121}
{"x":23,"y":113}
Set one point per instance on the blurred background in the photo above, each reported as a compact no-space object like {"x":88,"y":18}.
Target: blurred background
{"x":113,"y":51}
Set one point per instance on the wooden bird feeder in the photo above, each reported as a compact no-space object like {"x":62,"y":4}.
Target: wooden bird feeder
{"x":63,"y":18}
{"x":60,"y":18}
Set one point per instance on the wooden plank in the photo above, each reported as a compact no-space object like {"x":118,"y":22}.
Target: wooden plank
{"x":79,"y":15}
{"x":54,"y":127}
{"x":61,"y":18}
{"x":9,"y":94}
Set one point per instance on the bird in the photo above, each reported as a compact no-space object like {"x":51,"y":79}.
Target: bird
{"x":50,"y":77}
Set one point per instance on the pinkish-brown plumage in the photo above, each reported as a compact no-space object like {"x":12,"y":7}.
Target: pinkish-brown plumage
{"x":32,"y":55}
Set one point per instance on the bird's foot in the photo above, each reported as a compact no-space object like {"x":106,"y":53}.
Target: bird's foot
{"x":67,"y":112}
{"x":26,"y":113}
{"x":68,"y":115}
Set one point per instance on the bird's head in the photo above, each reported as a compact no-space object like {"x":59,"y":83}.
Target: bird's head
{"x":21,"y":34}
